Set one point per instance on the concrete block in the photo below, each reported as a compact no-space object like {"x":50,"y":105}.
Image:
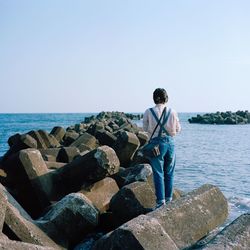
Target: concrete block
{"x":125,"y":147}
{"x":70,"y":219}
{"x":91,"y":167}
{"x":67,"y":154}
{"x":50,"y":151}
{"x":125,"y":176}
{"x":38,"y":138}
{"x":86,"y":139}
{"x":105,"y":137}
{"x":54,"y":165}
{"x":14,"y":139}
{"x":234,"y":236}
{"x":22,"y":142}
{"x":58,"y":133}
{"x":143,"y":137}
{"x":69,"y":137}
{"x":193,"y":216}
{"x":49,"y":140}
{"x":22,"y":225}
{"x":143,"y":232}
{"x":38,"y":174}
{"x":3,"y":205}
{"x":132,"y":200}
{"x":101,"y":192}
{"x":6,"y":244}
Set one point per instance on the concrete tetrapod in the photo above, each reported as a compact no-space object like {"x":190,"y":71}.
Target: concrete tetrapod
{"x":190,"y":218}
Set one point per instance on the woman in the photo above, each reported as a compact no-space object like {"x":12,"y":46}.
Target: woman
{"x":164,"y":164}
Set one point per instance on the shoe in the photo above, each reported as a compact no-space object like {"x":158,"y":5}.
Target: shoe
{"x":159,"y":205}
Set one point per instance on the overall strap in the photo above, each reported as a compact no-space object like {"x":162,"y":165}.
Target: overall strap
{"x":158,"y":120}
{"x":164,"y":121}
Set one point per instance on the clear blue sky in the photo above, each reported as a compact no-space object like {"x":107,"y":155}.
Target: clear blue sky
{"x":89,"y":56}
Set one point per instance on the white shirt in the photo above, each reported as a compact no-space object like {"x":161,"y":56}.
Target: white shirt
{"x":172,"y":125}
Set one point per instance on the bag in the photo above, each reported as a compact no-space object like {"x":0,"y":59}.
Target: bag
{"x":152,"y":148}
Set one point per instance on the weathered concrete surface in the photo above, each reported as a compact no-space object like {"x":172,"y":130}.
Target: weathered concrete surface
{"x":143,"y":232}
{"x":140,"y":172}
{"x":67,"y":154}
{"x":19,"y":142}
{"x":6,"y":244}
{"x":38,"y":174}
{"x":38,"y":138}
{"x":18,"y":181}
{"x":193,"y":216}
{"x":236,"y":236}
{"x":69,"y":137}
{"x":125,"y":147}
{"x":54,"y":165}
{"x":70,"y":219}
{"x":58,"y":133}
{"x":50,"y":151}
{"x":132,"y":200}
{"x":14,"y":139}
{"x":3,"y":205}
{"x":101,"y":192}
{"x":143,"y":137}
{"x":91,"y":167}
{"x":49,"y":140}
{"x":22,"y":225}
{"x":105,"y":137}
{"x":86,"y":139}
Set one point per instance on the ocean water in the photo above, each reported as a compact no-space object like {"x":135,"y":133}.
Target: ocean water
{"x":215,"y":154}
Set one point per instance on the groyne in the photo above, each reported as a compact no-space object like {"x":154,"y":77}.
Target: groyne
{"x":88,"y":187}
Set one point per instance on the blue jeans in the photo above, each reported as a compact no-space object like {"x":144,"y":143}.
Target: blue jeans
{"x":163,"y":169}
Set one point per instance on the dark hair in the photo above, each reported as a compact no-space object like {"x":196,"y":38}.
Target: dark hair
{"x":160,"y":96}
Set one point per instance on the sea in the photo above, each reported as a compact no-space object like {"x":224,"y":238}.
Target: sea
{"x":214,"y":154}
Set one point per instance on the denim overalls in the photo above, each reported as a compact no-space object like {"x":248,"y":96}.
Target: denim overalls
{"x":163,"y":165}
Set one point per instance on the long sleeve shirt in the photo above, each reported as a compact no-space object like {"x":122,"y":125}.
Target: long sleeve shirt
{"x":172,"y":125}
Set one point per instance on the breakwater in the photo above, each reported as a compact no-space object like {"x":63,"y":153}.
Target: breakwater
{"x":65,"y":170}
{"x":239,"y":117}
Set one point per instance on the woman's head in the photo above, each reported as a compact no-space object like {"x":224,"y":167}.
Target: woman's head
{"x":160,"y":96}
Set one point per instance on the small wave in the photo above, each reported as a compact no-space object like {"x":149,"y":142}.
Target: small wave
{"x":240,"y":203}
